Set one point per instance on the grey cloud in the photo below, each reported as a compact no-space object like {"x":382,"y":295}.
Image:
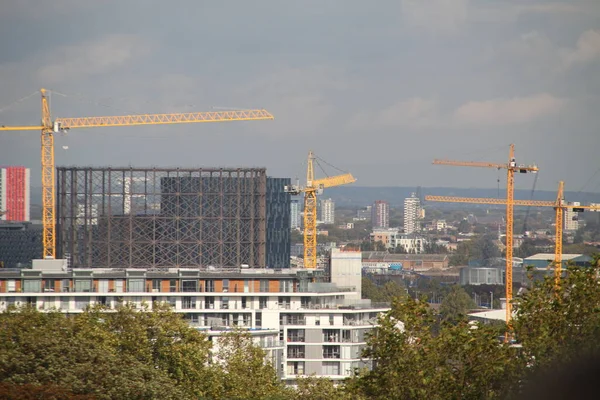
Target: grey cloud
{"x":370,"y":87}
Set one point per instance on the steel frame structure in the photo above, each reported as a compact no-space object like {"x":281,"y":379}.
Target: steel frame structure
{"x":161,"y":217}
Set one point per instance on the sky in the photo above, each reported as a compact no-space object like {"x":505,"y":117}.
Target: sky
{"x":377,"y":88}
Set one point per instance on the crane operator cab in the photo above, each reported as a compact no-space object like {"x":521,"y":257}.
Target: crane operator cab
{"x":513,"y":163}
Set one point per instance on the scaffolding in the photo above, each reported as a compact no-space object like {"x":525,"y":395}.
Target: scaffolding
{"x":162,"y":217}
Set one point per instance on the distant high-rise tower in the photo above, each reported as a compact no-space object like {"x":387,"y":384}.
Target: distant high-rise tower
{"x":327,"y":211}
{"x":571,"y":218}
{"x":295,"y":214}
{"x":412,"y":214}
{"x":14,"y":194}
{"x":380,"y":214}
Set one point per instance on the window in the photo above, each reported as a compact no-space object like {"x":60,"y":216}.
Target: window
{"x":304,"y":302}
{"x":48,"y":303}
{"x":331,"y":351}
{"x":172,"y":301}
{"x":172,"y":285}
{"x":225,"y":303}
{"x":330,"y":319}
{"x":295,"y":335}
{"x":295,"y":368}
{"x":264,"y":285}
{"x":286,"y":285}
{"x":346,"y":336}
{"x":226,"y":285}
{"x":210,"y":302}
{"x":156,"y":285}
{"x":65,"y":303}
{"x":210,"y":285}
{"x":295,"y":351}
{"x":330,"y":368}
{"x":119,"y":286}
{"x":284,"y":302}
{"x":188,"y":303}
{"x":32,"y":285}
{"x":262,"y":302}
{"x":12,"y":286}
{"x":331,"y":335}
{"x":244,"y":303}
{"x":103,"y":285}
{"x":66,"y":285}
{"x":82,"y":302}
{"x":189,"y":285}
{"x":103,"y":300}
{"x":258,"y":319}
{"x":135,"y":285}
{"x":49,"y":285}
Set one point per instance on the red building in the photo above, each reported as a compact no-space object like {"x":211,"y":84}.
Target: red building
{"x":14,"y":194}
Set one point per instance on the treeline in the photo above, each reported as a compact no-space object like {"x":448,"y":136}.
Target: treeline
{"x":129,"y":354}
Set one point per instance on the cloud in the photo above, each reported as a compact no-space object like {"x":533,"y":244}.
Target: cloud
{"x":435,"y":16}
{"x":517,"y":110}
{"x":93,"y":58}
{"x":586,"y":50}
{"x":416,"y":112}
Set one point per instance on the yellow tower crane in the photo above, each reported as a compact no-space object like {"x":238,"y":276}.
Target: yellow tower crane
{"x":49,"y":127}
{"x":511,"y":167}
{"x":559,"y":205}
{"x":313,"y":188}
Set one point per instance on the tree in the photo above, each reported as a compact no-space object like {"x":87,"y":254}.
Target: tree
{"x":560,"y":324}
{"x":462,"y":254}
{"x":463,"y":361}
{"x":464,"y":226}
{"x":245,"y":373}
{"x":456,"y":305}
{"x":434,"y":248}
{"x":385,"y":293}
{"x":526,"y":249}
{"x":485,"y":248}
{"x":314,"y":388}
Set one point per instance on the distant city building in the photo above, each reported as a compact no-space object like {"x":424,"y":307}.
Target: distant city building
{"x":327,"y":211}
{"x":295,"y":222}
{"x":14,"y":194}
{"x":363,"y":214}
{"x":412,"y":214}
{"x":380,"y":214}
{"x":392,"y":238}
{"x":571,"y":218}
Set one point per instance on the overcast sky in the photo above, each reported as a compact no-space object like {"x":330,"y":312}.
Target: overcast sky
{"x":379,"y":88}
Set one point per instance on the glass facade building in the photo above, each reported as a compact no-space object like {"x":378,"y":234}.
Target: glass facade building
{"x":278,"y":223}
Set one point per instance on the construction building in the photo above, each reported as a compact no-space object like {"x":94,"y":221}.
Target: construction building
{"x":412,"y":214}
{"x":380,"y":214}
{"x":158,"y":217}
{"x":327,"y":208}
{"x":310,"y":321}
{"x":406,"y":262}
{"x":14,"y":194}
{"x":20,"y":242}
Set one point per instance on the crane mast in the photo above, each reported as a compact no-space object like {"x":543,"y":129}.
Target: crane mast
{"x":313,"y":188}
{"x":49,"y":127}
{"x":511,"y":168}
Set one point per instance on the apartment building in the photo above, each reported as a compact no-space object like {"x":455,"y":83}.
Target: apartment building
{"x":412,"y":214}
{"x":380,"y":214}
{"x":307,"y":322}
{"x":14,"y":194}
{"x":327,"y":208}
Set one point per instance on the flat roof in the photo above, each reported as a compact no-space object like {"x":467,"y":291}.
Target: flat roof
{"x":550,"y":256}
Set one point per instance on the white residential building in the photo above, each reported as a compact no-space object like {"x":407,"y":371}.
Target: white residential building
{"x":392,"y":238}
{"x":327,"y":211}
{"x":380,"y":214}
{"x":412,"y":214}
{"x":306,"y":322}
{"x":571,"y":218}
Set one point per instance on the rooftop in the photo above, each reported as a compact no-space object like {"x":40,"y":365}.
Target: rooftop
{"x":550,"y":257}
{"x":385,"y":256}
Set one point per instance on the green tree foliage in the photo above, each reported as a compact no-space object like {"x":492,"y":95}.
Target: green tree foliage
{"x":462,"y":254}
{"x":456,"y":305}
{"x":485,"y":248}
{"x":11,"y":391}
{"x":434,"y":248}
{"x":464,"y":226}
{"x":129,"y":354}
{"x":384,"y":293}
{"x":560,"y":324}
{"x":461,"y":362}
{"x":315,"y":388}
{"x":245,"y":375}
{"x":526,"y":249}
